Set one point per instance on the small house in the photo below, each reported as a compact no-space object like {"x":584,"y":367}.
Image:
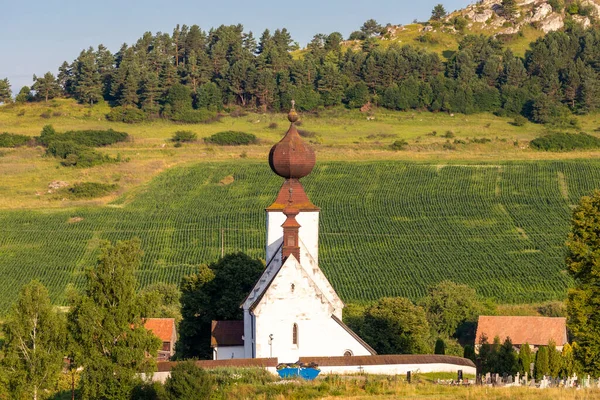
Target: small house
{"x":166,"y":331}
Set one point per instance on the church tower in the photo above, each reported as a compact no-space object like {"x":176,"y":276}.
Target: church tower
{"x":292,"y":159}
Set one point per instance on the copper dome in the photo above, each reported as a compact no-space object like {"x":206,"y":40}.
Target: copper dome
{"x":291,"y":158}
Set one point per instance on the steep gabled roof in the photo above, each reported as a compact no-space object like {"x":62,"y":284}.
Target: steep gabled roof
{"x":536,"y":331}
{"x":163,"y":328}
{"x":227,"y":333}
{"x":354,"y":335}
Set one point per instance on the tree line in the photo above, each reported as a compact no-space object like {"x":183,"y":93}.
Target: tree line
{"x":170,"y":75}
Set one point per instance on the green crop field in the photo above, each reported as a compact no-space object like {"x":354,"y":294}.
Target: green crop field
{"x":387,"y":228}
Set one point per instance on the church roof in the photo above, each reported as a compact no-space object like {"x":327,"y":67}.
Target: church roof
{"x":537,"y":331}
{"x":299,"y":198}
{"x":227,"y":333}
{"x":354,"y":335}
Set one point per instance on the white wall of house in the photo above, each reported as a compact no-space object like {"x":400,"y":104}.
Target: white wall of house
{"x":228,"y":352}
{"x":397,"y":369}
{"x":293,"y":298}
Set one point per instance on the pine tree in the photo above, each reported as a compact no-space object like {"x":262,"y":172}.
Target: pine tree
{"x":508,"y":361}
{"x":88,"y":84}
{"x":440,"y":346}
{"x":65,"y":78}
{"x":5,"y":92}
{"x":35,"y":343}
{"x":46,"y":87}
{"x":438,"y":12}
{"x":525,"y":359}
{"x":554,"y":360}
{"x":105,"y":63}
{"x":106,"y":324}
{"x":541,"y":363}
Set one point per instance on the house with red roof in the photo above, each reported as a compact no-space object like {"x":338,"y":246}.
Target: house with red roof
{"x":166,"y":331}
{"x":536,"y":331}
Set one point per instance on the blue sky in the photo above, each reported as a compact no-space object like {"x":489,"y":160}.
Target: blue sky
{"x":37,"y":36}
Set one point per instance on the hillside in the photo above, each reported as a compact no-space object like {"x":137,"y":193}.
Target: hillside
{"x":388,"y":228}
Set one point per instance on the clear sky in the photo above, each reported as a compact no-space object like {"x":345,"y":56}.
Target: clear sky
{"x":37,"y":36}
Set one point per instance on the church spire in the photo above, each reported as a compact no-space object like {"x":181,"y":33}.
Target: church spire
{"x":291,"y":227}
{"x":292,"y":159}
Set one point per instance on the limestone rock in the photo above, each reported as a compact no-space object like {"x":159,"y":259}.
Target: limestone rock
{"x":581,"y":20}
{"x":552,"y":23}
{"x":541,"y":12}
{"x":482,"y":17}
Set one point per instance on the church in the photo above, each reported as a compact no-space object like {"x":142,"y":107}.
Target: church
{"x":292,"y":311}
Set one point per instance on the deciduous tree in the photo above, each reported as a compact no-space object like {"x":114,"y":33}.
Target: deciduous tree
{"x":35,"y":343}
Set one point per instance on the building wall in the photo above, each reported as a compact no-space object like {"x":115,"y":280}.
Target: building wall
{"x":308,"y":232}
{"x":228,"y":352}
{"x":281,"y":307}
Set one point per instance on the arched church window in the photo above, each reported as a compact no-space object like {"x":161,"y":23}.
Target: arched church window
{"x":295,"y":334}
{"x":348,"y":353}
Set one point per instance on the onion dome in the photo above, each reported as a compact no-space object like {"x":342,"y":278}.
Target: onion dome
{"x":291,"y":158}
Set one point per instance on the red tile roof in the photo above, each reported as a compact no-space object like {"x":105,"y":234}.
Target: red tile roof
{"x":163,"y":328}
{"x":227,"y":333}
{"x":536,"y":331}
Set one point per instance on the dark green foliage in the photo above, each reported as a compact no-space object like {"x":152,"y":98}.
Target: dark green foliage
{"x":188,"y":382}
{"x":525,"y":359}
{"x":554,"y":360}
{"x":371,"y":28}
{"x":394,"y":325}
{"x":5,"y":91}
{"x":87,"y":190}
{"x":24,"y":95}
{"x":469,"y":352}
{"x":438,"y":12}
{"x":93,"y":138}
{"x":399,"y":145}
{"x":195,"y":116}
{"x":583,"y":253}
{"x":231,"y":138}
{"x":440,"y":347}
{"x":162,"y":300}
{"x":46,"y":87}
{"x":519,"y":121}
{"x":541,"y":363}
{"x":106,"y":325}
{"x":507,"y":359}
{"x":129,"y":115}
{"x":184,"y":136}
{"x":214,"y":292}
{"x":357,"y":95}
{"x":13,"y":140}
{"x":557,"y":5}
{"x":565,"y":142}
{"x":553,"y":309}
{"x":452,"y":309}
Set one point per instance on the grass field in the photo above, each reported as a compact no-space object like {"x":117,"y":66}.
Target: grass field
{"x":493,"y":215}
{"x":395,"y":227}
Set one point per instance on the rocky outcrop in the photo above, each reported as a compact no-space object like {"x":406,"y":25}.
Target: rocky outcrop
{"x":541,"y":12}
{"x":581,"y":20}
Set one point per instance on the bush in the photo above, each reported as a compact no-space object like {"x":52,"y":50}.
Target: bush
{"x":195,"y":116}
{"x":565,"y":142}
{"x":273,"y":125}
{"x":448,"y":134}
{"x":519,"y":121}
{"x":231,"y":138}
{"x":399,"y":145}
{"x":129,"y":115}
{"x":184,"y":136}
{"x":13,"y":140}
{"x":306,"y":134}
{"x":188,"y":382}
{"x":87,"y":190}
{"x":481,"y":140}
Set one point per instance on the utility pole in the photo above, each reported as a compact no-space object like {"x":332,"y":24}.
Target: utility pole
{"x":222,"y":242}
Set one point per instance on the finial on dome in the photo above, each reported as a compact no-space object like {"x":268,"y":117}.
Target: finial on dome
{"x":293,"y":115}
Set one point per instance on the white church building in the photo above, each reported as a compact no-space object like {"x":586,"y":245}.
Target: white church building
{"x":292,"y":311}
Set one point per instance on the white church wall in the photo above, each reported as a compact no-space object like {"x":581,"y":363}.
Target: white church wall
{"x":397,"y":369}
{"x":284,"y":305}
{"x":228,"y":352}
{"x":308,"y":232}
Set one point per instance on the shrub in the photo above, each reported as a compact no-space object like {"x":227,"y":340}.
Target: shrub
{"x":13,"y":140}
{"x":184,"y":136}
{"x":195,"y":116}
{"x":427,"y":38}
{"x":273,"y":125}
{"x":448,"y":134}
{"x":565,"y":142}
{"x":88,"y":138}
{"x":399,"y":145}
{"x":306,"y":134}
{"x":129,"y":115}
{"x":231,"y":138}
{"x":87,"y":190}
{"x":519,"y":121}
{"x":188,"y":382}
{"x":557,"y":5}
{"x":48,"y":132}
{"x":46,"y":114}
{"x":481,"y":140}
